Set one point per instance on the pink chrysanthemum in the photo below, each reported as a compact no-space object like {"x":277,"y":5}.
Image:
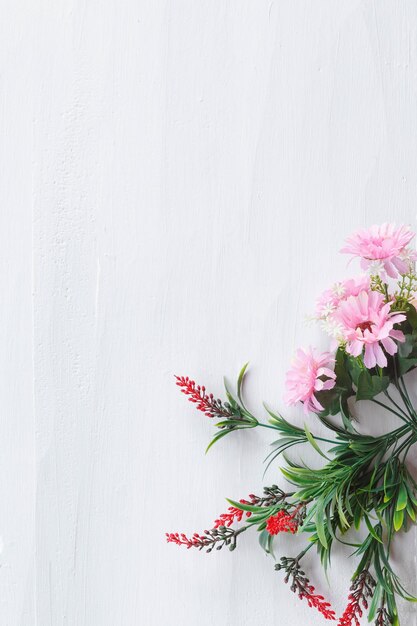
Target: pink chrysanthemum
{"x":367,"y":322}
{"x":309,"y":373}
{"x":331,"y":298}
{"x":386,"y":245}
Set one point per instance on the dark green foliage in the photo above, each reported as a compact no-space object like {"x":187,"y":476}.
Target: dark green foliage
{"x":364,"y":482}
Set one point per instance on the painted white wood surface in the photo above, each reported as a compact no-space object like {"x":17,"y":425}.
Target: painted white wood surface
{"x":17,"y":429}
{"x":177,"y":178}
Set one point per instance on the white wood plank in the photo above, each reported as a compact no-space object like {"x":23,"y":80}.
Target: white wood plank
{"x":197,"y":166}
{"x":17,"y":444}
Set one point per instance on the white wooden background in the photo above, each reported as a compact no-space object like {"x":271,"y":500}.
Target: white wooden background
{"x":176,"y":180}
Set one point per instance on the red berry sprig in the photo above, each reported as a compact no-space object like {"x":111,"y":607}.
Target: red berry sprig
{"x":204,"y":402}
{"x":214,"y":538}
{"x":301,"y":585}
{"x":286,"y":521}
{"x":362,"y":589}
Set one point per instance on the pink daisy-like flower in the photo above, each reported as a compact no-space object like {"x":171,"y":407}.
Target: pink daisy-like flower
{"x":367,"y":322}
{"x":386,"y":245}
{"x":331,"y":298}
{"x":309,"y":373}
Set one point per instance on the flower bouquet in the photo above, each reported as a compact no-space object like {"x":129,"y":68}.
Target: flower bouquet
{"x":364,"y":483}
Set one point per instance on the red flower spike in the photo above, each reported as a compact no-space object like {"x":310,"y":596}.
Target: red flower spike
{"x":183,"y":540}
{"x":300,"y":585}
{"x":319,"y":603}
{"x":222,"y":533}
{"x":286,"y":522}
{"x":233,"y":515}
{"x":204,"y":402}
{"x":214,"y":538}
{"x":361,"y":589}
{"x":282,"y":522}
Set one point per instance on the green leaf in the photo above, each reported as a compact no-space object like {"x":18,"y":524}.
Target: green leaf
{"x":341,"y":513}
{"x":406,"y":364}
{"x":240,"y":382}
{"x":372,"y":529}
{"x":345,"y":418}
{"x":375,"y":602}
{"x":355,"y":368}
{"x":380,"y":576}
{"x":402,"y":498}
{"x":341,"y":370}
{"x":246,"y":507}
{"x":357,"y":517}
{"x":319,"y":519}
{"x":370,"y":386}
{"x":229,"y":395}
{"x":313,"y":442}
{"x":398,"y":520}
{"x":412,"y":316}
{"x":405,"y":348}
{"x":411,"y":512}
{"x":266,"y":541}
{"x":411,"y":495}
{"x":216,"y":438}
{"x":407,"y":356}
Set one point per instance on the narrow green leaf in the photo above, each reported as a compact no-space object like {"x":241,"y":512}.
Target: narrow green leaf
{"x":411,"y":512}
{"x":246,"y":507}
{"x":319,"y":519}
{"x":341,"y":513}
{"x":266,"y":541}
{"x":313,"y":442}
{"x":398,"y":520}
{"x":412,"y":495}
{"x":402,"y":498}
{"x":345,"y":419}
{"x":372,"y":529}
{"x":240,"y":382}
{"x":217,"y":438}
{"x":374,"y":603}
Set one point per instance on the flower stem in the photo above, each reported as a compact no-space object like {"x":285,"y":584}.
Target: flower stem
{"x":314,"y":436}
{"x":402,"y":417}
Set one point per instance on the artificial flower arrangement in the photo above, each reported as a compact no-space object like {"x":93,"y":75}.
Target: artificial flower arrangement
{"x":365,"y":482}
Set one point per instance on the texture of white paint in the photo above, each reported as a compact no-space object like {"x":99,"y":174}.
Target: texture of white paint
{"x":177,"y":178}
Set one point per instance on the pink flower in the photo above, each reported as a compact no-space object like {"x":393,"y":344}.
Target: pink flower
{"x":386,"y":245}
{"x":331,"y":298}
{"x":366,"y":322}
{"x":309,"y":373}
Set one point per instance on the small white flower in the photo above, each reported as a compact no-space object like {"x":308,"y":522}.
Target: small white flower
{"x":408,"y":255}
{"x":339,"y":289}
{"x":375,"y":268}
{"x":333,"y":329}
{"x":327,"y":309}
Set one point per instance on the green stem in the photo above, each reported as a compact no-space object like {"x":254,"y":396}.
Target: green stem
{"x":384,"y":406}
{"x":404,"y":394}
{"x":300,"y":556}
{"x":407,"y":397}
{"x":267,"y":426}
{"x":406,"y":444}
{"x":395,"y":404}
{"x":314,"y":436}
